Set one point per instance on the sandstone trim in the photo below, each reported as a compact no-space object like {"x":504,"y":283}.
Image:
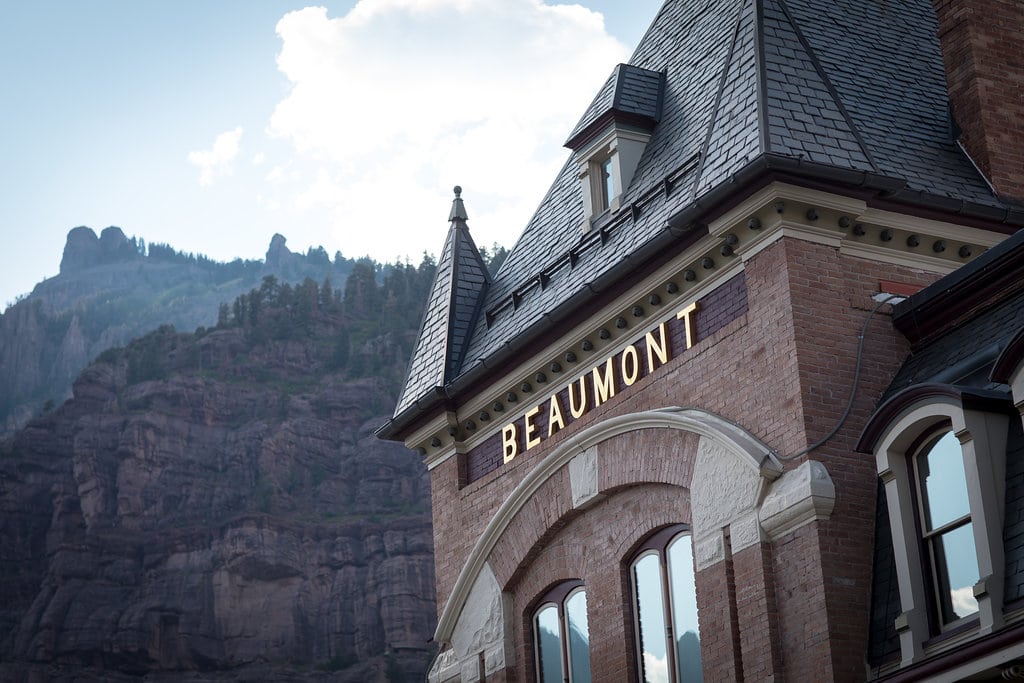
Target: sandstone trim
{"x":726,"y":436}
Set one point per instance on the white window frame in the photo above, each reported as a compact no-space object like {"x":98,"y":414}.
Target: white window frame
{"x":620,"y":147}
{"x":982,"y":437}
{"x":604,"y":175}
{"x":932,"y":539}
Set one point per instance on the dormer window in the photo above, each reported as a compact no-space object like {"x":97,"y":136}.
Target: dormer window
{"x":611,"y":137}
{"x":941,"y":453}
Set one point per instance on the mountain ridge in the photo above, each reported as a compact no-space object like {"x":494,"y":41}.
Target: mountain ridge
{"x":111,"y":289}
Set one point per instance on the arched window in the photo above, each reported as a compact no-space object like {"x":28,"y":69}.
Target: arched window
{"x":940,"y":451}
{"x":665,"y":608}
{"x":946,"y":529}
{"x":561,"y":635}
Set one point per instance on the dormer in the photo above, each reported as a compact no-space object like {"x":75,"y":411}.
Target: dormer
{"x":610,"y":138}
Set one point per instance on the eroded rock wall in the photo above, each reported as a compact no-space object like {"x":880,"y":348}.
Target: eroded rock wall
{"x":237,"y":518}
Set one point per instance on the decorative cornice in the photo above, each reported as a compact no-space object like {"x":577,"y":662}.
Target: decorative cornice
{"x":774,"y":211}
{"x":655,"y":301}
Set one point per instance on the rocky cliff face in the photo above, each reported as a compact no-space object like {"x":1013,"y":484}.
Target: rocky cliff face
{"x":215,"y":504}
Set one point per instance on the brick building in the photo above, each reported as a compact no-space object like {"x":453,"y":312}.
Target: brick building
{"x":744,"y":401}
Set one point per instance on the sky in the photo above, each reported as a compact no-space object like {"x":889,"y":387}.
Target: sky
{"x":211,"y":126}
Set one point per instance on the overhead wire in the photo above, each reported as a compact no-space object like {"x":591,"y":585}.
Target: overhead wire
{"x":853,"y":390}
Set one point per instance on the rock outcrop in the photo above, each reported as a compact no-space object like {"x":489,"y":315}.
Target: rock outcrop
{"x":84,"y":250}
{"x":107,"y":293}
{"x":215,"y":504}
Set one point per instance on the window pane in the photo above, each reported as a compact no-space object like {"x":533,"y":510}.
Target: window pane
{"x":609,"y":187}
{"x":579,"y":637}
{"x":650,"y":611}
{"x":684,"y":609}
{"x":943,"y":482}
{"x":549,"y":645}
{"x":957,"y":572}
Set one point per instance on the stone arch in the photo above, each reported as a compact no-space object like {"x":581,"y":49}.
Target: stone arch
{"x":724,"y":450}
{"x":604,"y":470}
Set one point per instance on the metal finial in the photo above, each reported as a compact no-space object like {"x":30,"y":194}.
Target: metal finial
{"x":458,"y":208}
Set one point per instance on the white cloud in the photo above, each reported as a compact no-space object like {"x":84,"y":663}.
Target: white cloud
{"x":656,"y":668}
{"x":275,"y":175}
{"x":258,"y":158}
{"x":964,"y":602}
{"x":218,"y":160}
{"x":398,"y":100}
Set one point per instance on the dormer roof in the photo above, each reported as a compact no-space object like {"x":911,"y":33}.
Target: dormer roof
{"x":631,"y":96}
{"x":845,"y":94}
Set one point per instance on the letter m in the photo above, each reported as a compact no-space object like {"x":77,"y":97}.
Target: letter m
{"x":604,"y":387}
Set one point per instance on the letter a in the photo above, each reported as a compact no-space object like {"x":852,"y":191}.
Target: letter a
{"x":555,"y":415}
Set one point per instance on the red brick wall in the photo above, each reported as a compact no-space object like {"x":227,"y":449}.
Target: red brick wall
{"x":783,"y":371}
{"x":984,"y":57}
{"x":716,"y":604}
{"x":831,"y":302}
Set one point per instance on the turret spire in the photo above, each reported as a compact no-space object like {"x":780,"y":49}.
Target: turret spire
{"x":460,"y":283}
{"x":458,"y":211}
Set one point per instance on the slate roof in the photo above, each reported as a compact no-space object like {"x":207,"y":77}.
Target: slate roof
{"x":964,"y":355}
{"x":460,"y":282}
{"x":852,"y":90}
{"x":883,"y":640}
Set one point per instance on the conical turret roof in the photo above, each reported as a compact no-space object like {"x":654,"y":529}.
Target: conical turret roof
{"x":459,"y":285}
